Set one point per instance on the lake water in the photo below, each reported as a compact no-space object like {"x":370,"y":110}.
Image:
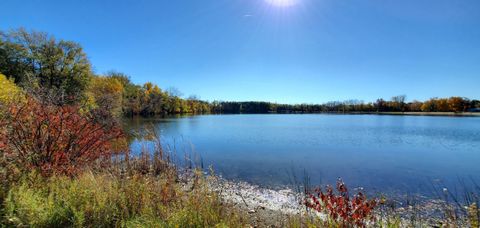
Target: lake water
{"x":390,"y":154}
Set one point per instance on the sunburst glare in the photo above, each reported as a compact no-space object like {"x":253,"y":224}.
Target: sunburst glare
{"x":282,"y":3}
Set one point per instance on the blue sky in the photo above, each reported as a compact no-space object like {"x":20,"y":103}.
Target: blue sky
{"x":313,"y":51}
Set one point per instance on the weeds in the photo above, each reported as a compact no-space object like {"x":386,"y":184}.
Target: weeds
{"x":105,"y":200}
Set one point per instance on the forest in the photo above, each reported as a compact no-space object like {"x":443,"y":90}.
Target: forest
{"x":396,"y":104}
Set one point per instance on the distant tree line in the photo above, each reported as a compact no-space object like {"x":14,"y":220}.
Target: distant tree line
{"x":59,"y":72}
{"x":396,"y":104}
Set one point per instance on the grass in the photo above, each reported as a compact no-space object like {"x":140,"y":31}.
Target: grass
{"x":105,"y":200}
{"x":117,"y":197}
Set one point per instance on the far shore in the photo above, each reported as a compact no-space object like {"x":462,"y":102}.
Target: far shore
{"x":459,"y":114}
{"x":476,"y":114}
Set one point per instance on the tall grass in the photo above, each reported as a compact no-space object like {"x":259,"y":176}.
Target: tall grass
{"x":105,"y":200}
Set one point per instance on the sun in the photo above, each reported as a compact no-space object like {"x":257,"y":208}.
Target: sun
{"x":282,"y":3}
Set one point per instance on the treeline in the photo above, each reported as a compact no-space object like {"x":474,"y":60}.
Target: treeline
{"x":59,"y":72}
{"x":396,"y":104}
{"x":149,"y":99}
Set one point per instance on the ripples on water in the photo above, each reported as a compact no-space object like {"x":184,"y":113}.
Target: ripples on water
{"x":378,"y":152}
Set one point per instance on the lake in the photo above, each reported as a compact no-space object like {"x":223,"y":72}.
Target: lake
{"x":381,"y":153}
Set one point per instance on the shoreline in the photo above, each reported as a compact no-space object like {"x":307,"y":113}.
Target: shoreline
{"x":446,"y":114}
{"x":268,"y":207}
{"x":246,"y":195}
{"x":452,"y":114}
{"x":254,"y":197}
{"x":462,"y":114}
{"x":262,"y":207}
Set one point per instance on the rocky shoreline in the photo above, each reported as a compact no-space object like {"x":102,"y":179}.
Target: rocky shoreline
{"x":255,"y":197}
{"x":272,"y":208}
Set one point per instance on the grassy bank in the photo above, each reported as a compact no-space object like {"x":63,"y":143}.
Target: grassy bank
{"x":148,"y":192}
{"x":116,"y":198}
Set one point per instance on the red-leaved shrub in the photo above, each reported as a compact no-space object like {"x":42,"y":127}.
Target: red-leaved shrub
{"x":54,"y":139}
{"x":341,"y":208}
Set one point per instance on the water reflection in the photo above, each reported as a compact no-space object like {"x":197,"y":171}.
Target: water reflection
{"x":384,"y":153}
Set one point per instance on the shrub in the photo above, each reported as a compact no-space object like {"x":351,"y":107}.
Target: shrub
{"x":340,"y":208}
{"x":54,"y":139}
{"x":9,"y":94}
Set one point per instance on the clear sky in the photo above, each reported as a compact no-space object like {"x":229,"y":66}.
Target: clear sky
{"x":286,"y":51}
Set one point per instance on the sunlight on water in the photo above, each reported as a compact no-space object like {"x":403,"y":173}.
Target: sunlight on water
{"x":398,"y":153}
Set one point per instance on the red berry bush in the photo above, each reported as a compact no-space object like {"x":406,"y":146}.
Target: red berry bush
{"x":339,"y":207}
{"x":54,"y":139}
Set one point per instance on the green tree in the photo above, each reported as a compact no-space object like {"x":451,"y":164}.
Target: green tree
{"x":37,"y":60}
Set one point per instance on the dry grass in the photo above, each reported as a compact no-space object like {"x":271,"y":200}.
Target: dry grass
{"x":101,"y":199}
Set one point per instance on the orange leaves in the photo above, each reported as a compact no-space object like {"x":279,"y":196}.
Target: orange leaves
{"x":457,"y":104}
{"x":55,"y":139}
{"x":341,"y":208}
{"x":452,"y":104}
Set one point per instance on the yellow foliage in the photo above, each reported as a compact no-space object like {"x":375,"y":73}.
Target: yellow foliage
{"x":151,"y":88}
{"x":106,"y":85}
{"x":473,"y":215}
{"x":106,"y":93}
{"x":88,"y":103}
{"x":9,"y":92}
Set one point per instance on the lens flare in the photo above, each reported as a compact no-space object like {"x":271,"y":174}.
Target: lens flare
{"x":282,"y":3}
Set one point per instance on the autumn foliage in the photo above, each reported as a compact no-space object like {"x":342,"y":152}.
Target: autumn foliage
{"x":54,"y":139}
{"x":356,"y":211}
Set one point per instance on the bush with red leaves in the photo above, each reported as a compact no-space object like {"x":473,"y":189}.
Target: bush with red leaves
{"x":340,"y":208}
{"x":54,"y":139}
